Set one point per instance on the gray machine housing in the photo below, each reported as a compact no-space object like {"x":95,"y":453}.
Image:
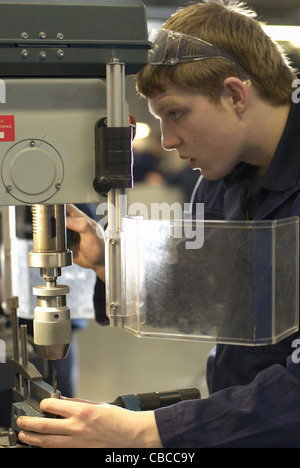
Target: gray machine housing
{"x":52,"y":159}
{"x":71,"y":37}
{"x":53,"y":57}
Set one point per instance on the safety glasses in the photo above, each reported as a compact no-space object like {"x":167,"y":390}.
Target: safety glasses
{"x":170,"y":48}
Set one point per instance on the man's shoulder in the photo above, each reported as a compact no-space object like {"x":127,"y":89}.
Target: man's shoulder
{"x":211,"y":193}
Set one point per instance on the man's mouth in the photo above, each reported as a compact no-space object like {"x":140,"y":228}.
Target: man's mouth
{"x":184,"y":157}
{"x":192,"y":161}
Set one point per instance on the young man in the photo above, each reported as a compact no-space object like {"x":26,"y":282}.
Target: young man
{"x":223,"y":92}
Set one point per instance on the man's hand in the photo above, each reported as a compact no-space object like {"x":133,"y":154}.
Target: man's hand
{"x":89,"y":425}
{"x":89,"y":253}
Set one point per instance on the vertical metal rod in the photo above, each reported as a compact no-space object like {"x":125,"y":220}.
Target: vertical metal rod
{"x":23,"y":332}
{"x":23,"y":335}
{"x":8,"y":227}
{"x":14,"y":322}
{"x":13,"y":304}
{"x":117,"y":116}
{"x":54,"y":376}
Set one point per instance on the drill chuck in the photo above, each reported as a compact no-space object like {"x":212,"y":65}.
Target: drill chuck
{"x":52,"y":322}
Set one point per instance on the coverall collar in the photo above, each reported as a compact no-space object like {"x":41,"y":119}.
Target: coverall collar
{"x":280,"y":181}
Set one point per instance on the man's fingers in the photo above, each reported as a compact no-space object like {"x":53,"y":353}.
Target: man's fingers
{"x":45,"y":425}
{"x":78,"y":221}
{"x":60,"y":407}
{"x":42,"y":425}
{"x":46,"y":441}
{"x":70,"y":430}
{"x":72,"y":210}
{"x":77,"y":224}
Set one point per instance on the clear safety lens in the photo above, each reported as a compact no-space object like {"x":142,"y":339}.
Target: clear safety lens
{"x":170,"y":48}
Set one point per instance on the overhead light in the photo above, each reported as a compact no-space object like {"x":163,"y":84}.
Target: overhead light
{"x":283,"y":33}
{"x":142,"y":130}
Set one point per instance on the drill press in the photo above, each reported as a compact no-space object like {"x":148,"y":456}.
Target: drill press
{"x":54,"y":63}
{"x":52,"y":322}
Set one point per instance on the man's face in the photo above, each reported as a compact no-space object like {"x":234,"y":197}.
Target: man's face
{"x":202,"y":132}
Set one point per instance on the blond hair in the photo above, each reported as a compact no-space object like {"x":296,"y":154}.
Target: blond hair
{"x":233,"y":27}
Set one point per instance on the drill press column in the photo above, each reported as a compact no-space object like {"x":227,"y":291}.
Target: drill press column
{"x":52,"y":323}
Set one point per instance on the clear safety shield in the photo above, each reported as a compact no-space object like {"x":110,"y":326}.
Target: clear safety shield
{"x":228,"y":282}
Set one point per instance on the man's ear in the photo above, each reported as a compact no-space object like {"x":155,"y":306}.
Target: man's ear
{"x":237,"y":91}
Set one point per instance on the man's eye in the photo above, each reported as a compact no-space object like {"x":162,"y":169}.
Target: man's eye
{"x":175,"y":114}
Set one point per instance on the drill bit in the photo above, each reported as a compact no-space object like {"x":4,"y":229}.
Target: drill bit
{"x":54,"y":376}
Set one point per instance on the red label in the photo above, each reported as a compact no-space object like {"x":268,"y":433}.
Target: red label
{"x":7,"y":128}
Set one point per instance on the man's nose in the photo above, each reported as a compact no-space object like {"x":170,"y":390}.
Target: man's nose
{"x":170,"y":141}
